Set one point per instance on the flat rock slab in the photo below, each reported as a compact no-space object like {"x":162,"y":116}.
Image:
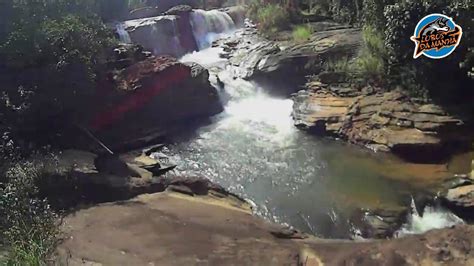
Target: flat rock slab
{"x":383,"y":121}
{"x":462,"y":196}
{"x":174,"y":229}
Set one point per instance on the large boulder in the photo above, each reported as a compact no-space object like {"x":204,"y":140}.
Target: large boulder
{"x":164,"y":5}
{"x":237,"y":13}
{"x":383,"y":121}
{"x":285,"y":67}
{"x":183,"y":20}
{"x":152,"y":96}
{"x":462,"y":196}
{"x":175,"y":229}
{"x":160,"y":7}
{"x":162,"y":35}
{"x":380,"y":223}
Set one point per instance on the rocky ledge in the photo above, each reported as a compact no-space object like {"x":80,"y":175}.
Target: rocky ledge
{"x":146,"y":97}
{"x":281,"y":66}
{"x":381,"y":121}
{"x":459,"y":196}
{"x":176,"y":229}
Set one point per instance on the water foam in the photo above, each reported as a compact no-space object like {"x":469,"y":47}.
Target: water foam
{"x":208,"y":25}
{"x":434,"y":217}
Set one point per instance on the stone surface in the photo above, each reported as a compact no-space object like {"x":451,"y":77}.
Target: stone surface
{"x":149,"y":97}
{"x":379,"y":223}
{"x":178,"y":10}
{"x":383,"y":121}
{"x":175,"y":229}
{"x":75,"y":180}
{"x":284,"y":68}
{"x":462,"y":196}
{"x":237,"y":13}
{"x":161,"y":34}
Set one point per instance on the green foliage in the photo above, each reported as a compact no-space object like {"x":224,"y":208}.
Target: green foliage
{"x":346,"y":11}
{"x":370,"y":64}
{"x":318,"y":7}
{"x":272,"y":18}
{"x":302,"y":33}
{"x":340,"y":64}
{"x":269,"y":17}
{"x":50,"y":56}
{"x":373,"y":14}
{"x":27,"y":224}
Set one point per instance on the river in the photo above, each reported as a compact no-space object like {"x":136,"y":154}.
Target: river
{"x":291,"y":177}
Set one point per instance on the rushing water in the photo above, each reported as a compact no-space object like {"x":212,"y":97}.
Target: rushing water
{"x":311,"y":183}
{"x":208,"y":24}
{"x":434,"y":217}
{"x":124,"y":37}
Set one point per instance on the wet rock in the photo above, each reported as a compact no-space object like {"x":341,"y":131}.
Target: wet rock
{"x":458,"y":181}
{"x":198,"y":185}
{"x":237,"y":13}
{"x":164,"y":5}
{"x":125,"y":55}
{"x":379,"y":223}
{"x":291,"y":65}
{"x":383,"y":121}
{"x":162,"y":35}
{"x":288,"y":233}
{"x":284,"y":69}
{"x":178,"y":10}
{"x":150,"y":97}
{"x":75,"y":180}
{"x":184,"y":28}
{"x":461,"y":196}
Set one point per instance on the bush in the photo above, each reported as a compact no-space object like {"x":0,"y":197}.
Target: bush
{"x":341,"y":64}
{"x":269,"y":17}
{"x":370,"y":64}
{"x":302,"y":33}
{"x":27,"y":224}
{"x":50,"y":61}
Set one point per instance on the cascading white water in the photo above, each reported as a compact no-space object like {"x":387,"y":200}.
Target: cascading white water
{"x":434,"y":217}
{"x":123,"y":33}
{"x":208,"y":24}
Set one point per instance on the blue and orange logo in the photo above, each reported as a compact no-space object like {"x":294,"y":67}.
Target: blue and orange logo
{"x":436,"y":36}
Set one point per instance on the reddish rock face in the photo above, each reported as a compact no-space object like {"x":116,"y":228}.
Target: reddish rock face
{"x":152,"y":95}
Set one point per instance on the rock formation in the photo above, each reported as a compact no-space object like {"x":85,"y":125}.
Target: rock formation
{"x":151,"y":96}
{"x":285,"y":69}
{"x":382,"y":121}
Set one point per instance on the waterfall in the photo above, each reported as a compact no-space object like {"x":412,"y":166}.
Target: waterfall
{"x":207,"y":25}
{"x":434,"y":217}
{"x":122,"y":33}
{"x":176,"y":35}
